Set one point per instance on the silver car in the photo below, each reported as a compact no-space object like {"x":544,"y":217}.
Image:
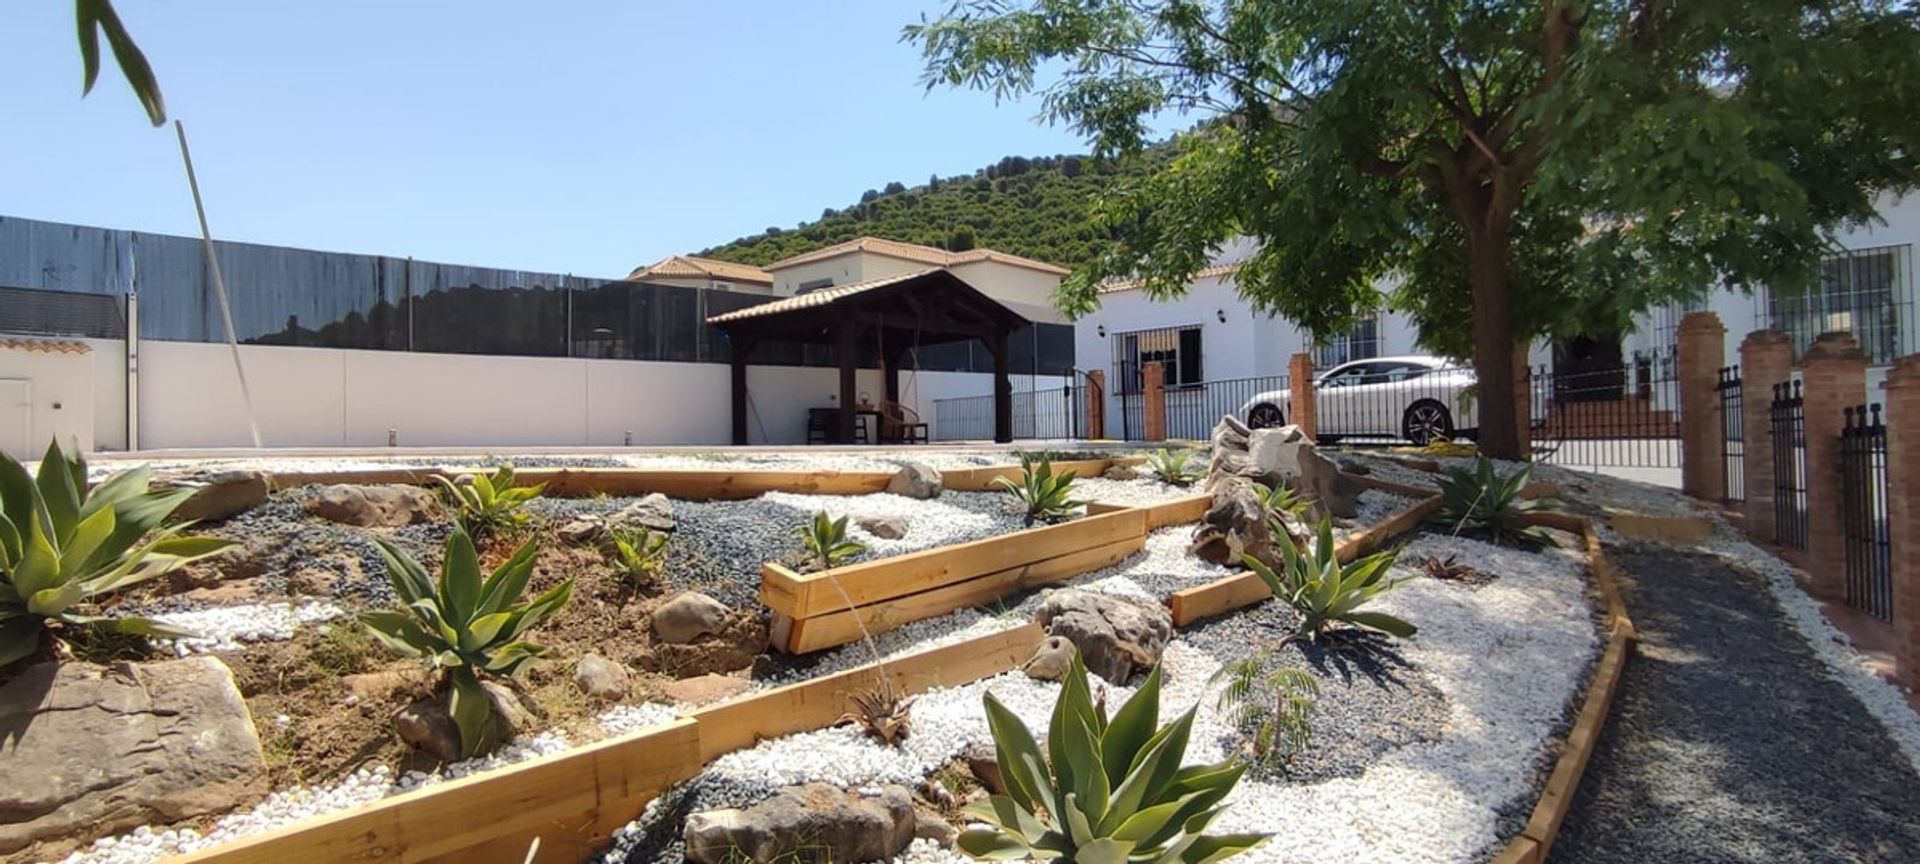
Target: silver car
{"x":1416,"y":398}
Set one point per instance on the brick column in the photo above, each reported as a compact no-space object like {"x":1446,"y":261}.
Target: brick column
{"x":1903,"y":493}
{"x":1095,"y":410}
{"x":1834,"y":373}
{"x":1522,"y":399}
{"x":1766,"y":359}
{"x":1698,"y":356}
{"x":1301,"y":410}
{"x":1154,"y":401}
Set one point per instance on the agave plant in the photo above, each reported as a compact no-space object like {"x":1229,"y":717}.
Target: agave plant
{"x":486,"y":504}
{"x":1046,"y":496}
{"x":1448,"y":569}
{"x":880,"y":713}
{"x":1106,"y":790}
{"x":1173,"y":466}
{"x":466,"y":626}
{"x":1481,"y":498}
{"x":1273,"y":703}
{"x":826,"y":541}
{"x":636,"y":556}
{"x":1327,"y":593}
{"x":62,"y":544}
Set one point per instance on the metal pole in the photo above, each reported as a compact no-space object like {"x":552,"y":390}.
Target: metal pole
{"x":219,"y":284}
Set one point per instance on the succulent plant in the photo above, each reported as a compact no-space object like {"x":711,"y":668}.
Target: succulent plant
{"x":1273,"y":703}
{"x":485,"y":505}
{"x":1045,"y":496}
{"x":1173,"y":466}
{"x":1327,"y":593}
{"x":1481,"y":498}
{"x":825,"y":541}
{"x":636,"y":556}
{"x":881,"y":713}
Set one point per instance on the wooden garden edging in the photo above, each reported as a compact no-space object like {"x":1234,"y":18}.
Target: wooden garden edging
{"x":1178,"y":511}
{"x":982,"y":479}
{"x":574,"y":801}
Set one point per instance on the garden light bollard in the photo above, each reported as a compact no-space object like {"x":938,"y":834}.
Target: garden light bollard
{"x":1699,"y":354}
{"x":1302,"y":412}
{"x":1903,"y":513}
{"x":1766,"y":359}
{"x":1154,"y":400}
{"x":1834,"y":373}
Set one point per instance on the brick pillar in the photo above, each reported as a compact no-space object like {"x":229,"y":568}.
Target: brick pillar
{"x":1766,"y":359}
{"x":1903,"y":479}
{"x":1522,"y":399}
{"x":1301,"y":410}
{"x":1834,"y":373}
{"x":1698,"y":356}
{"x":1095,"y":410}
{"x":1154,"y":401}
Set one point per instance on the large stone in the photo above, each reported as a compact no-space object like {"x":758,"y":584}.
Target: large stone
{"x":654,"y":513}
{"x":916,"y":480}
{"x":92,"y":750}
{"x":1051,"y":659}
{"x":385,"y":506}
{"x":811,"y":824}
{"x":1234,"y":525}
{"x":687,"y":616}
{"x":883,"y":527}
{"x":983,"y":761}
{"x":601,"y":678}
{"x":427,"y":725}
{"x":223,"y":496}
{"x":1285,"y":455}
{"x":1117,"y":636}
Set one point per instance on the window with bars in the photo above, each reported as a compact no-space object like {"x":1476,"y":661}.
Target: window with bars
{"x":1176,"y":349}
{"x":1866,"y":292}
{"x":1361,"y":342}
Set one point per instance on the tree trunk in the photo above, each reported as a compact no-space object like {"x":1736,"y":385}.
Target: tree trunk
{"x":1493,"y":345}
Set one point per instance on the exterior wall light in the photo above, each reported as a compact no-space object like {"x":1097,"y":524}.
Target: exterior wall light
{"x":1221,"y":314}
{"x":1100,"y":331}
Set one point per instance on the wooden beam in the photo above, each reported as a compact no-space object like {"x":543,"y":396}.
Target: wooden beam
{"x":844,"y":335}
{"x":1002,"y":388}
{"x":1178,"y":511}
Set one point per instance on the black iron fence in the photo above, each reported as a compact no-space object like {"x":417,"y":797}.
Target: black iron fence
{"x":1625,"y":416}
{"x":1733,"y":439}
{"x":1192,"y":411}
{"x":1864,"y":512}
{"x":1396,"y":400}
{"x":1046,"y":412}
{"x":1788,"y":428}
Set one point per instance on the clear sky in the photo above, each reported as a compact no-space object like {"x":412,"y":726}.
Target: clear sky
{"x":573,"y":137}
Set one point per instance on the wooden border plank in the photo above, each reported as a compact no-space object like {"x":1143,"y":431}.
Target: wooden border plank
{"x":982,"y":479}
{"x":1176,"y":511}
{"x":697,"y":484}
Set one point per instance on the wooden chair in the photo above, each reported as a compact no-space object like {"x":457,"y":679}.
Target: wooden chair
{"x":901,"y":425}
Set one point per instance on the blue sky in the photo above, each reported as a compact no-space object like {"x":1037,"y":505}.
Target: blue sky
{"x":582,"y":137}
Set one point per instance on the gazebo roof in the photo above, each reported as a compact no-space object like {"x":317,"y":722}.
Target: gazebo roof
{"x":933,"y":304}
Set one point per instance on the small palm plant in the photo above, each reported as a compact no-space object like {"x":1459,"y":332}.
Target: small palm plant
{"x":1481,"y":498}
{"x":466,"y":626}
{"x":1105,"y":790}
{"x":62,"y":544}
{"x":1046,"y":496}
{"x":1327,"y":593}
{"x":825,"y":541}
{"x":636,"y":556}
{"x":1173,"y":466}
{"x":1273,"y":703}
{"x":486,"y":505}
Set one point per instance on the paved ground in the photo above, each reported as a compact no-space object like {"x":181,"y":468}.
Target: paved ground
{"x":1729,"y":743}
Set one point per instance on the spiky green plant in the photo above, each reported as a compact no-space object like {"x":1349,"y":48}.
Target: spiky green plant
{"x":1327,"y":593}
{"x":1174,"y":466}
{"x":1046,"y":496}
{"x":485,"y":505}
{"x":826,"y":541}
{"x":1282,"y":499}
{"x":465,"y":625}
{"x":1105,"y":790}
{"x":637,"y":556}
{"x":1481,"y":498}
{"x":1272,"y":703}
{"x":61,"y":545}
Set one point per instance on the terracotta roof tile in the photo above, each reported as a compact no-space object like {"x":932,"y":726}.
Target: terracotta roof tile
{"x":1216,"y":270}
{"x":685,"y":266}
{"x":819,"y":297}
{"x":46,"y":346}
{"x":916,"y":252}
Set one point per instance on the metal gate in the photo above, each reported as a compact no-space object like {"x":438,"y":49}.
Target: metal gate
{"x":1622,"y":417}
{"x":1788,"y":428}
{"x":1864,"y":512}
{"x":1733,"y":439}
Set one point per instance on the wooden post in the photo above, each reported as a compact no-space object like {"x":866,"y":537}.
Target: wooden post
{"x":843,"y":425}
{"x":1096,"y":405}
{"x":1002,"y":388}
{"x":1153,"y":398}
{"x":1835,"y":378}
{"x":741,"y":348}
{"x":1698,"y":356}
{"x":1302,"y":410}
{"x":1903,"y":523}
{"x":1766,"y":359}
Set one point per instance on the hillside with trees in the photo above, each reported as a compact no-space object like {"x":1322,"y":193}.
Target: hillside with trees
{"x":1036,"y":207}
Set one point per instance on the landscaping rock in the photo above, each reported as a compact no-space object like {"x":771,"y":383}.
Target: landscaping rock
{"x":1051,"y":659}
{"x":601,"y":678}
{"x":1122,"y":472}
{"x":916,"y":480}
{"x":703,"y":689}
{"x":1117,"y":636}
{"x":687,"y":616}
{"x":1285,"y":455}
{"x":654,"y":513}
{"x":515,"y":713}
{"x":1235,"y":524}
{"x":426,"y":726}
{"x":385,"y":506}
{"x":224,"y":496}
{"x":581,"y":532}
{"x":883,"y":527}
{"x":811,"y":823}
{"x":1229,"y":448}
{"x":97,"y":749}
{"x":984,"y":762}
{"x":928,"y":825}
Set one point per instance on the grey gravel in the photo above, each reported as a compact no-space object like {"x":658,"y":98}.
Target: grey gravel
{"x":1729,"y":741}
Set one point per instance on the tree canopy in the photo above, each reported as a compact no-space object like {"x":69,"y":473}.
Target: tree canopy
{"x":1516,"y":169}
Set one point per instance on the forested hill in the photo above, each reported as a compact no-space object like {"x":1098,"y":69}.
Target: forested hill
{"x":1036,"y":207}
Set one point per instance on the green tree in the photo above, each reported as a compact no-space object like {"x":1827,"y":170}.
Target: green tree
{"x":1529,"y":167}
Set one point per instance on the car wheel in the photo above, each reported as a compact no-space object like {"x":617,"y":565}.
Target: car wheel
{"x":1427,"y":421}
{"x":1265,"y":416}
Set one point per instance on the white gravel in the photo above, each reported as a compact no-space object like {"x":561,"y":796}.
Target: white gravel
{"x":229,"y":628}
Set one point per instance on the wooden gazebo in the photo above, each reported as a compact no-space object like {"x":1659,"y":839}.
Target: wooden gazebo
{"x":880,"y":317}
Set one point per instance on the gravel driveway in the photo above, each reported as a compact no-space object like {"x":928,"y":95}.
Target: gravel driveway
{"x":1728,"y":740}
